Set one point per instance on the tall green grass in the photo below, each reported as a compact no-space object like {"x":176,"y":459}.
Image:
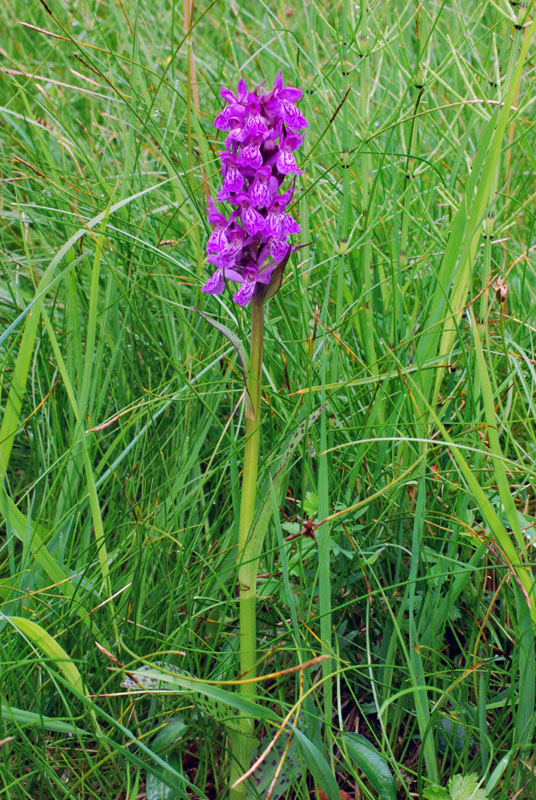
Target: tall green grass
{"x":121,"y":430}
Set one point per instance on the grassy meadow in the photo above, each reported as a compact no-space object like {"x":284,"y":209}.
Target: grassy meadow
{"x":400,"y":357}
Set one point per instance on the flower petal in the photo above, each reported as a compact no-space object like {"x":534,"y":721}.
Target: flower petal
{"x":273,"y":224}
{"x":242,"y":90}
{"x":292,"y":116}
{"x":261,"y":191}
{"x":233,"y":182}
{"x":245,"y":293}
{"x":278,"y":249}
{"x":217,"y":241}
{"x":228,"y":118}
{"x":250,"y":156}
{"x":215,"y":284}
{"x":253,"y":221}
{"x":286,"y":163}
{"x":289,"y":225}
{"x":282,"y":201}
{"x":215,"y":217}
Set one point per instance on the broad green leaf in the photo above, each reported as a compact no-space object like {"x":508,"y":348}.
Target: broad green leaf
{"x":496,"y":775}
{"x":317,"y":765}
{"x":265,"y":772}
{"x":156,"y":789}
{"x":435,"y":793}
{"x":168,"y":735}
{"x":143,"y":677}
{"x":372,"y":764}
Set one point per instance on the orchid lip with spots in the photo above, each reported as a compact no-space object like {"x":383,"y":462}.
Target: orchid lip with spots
{"x":264,"y":131}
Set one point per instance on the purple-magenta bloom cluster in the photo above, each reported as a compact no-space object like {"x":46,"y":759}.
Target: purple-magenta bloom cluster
{"x":264,"y":130}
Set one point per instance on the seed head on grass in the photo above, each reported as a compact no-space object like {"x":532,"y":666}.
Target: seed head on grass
{"x":264,"y":131}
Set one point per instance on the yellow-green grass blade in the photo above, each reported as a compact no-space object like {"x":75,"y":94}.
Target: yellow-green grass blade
{"x":10,"y":419}
{"x":98,"y":524}
{"x":499,"y":467}
{"x":460,"y":253}
{"x":513,"y":559}
{"x":39,"y":637}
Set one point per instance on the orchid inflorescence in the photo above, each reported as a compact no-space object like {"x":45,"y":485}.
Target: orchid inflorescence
{"x":264,"y":131}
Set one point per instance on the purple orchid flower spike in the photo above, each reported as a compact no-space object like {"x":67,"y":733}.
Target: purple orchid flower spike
{"x":250,"y":246}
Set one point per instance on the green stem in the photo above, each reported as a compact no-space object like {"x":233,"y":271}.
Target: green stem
{"x":242,"y":741}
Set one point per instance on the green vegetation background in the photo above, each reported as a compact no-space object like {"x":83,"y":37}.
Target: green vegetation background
{"x":121,"y":429}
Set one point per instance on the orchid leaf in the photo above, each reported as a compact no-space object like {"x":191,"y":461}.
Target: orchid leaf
{"x":232,"y":337}
{"x":159,"y":680}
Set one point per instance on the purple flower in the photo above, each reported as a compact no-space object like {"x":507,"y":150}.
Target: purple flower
{"x":263,"y":189}
{"x":286,"y":92}
{"x":250,"y":154}
{"x":233,"y":180}
{"x":215,"y":217}
{"x":280,"y":103}
{"x":286,"y":162}
{"x":254,"y":270}
{"x":241,"y":94}
{"x":264,"y":130}
{"x":279,"y":223}
{"x":278,"y":248}
{"x":229,"y":119}
{"x":215,"y":284}
{"x":252,"y":220}
{"x":292,"y":116}
{"x":224,"y":251}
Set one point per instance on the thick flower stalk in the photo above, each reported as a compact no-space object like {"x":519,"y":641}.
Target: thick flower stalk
{"x":249,"y":243}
